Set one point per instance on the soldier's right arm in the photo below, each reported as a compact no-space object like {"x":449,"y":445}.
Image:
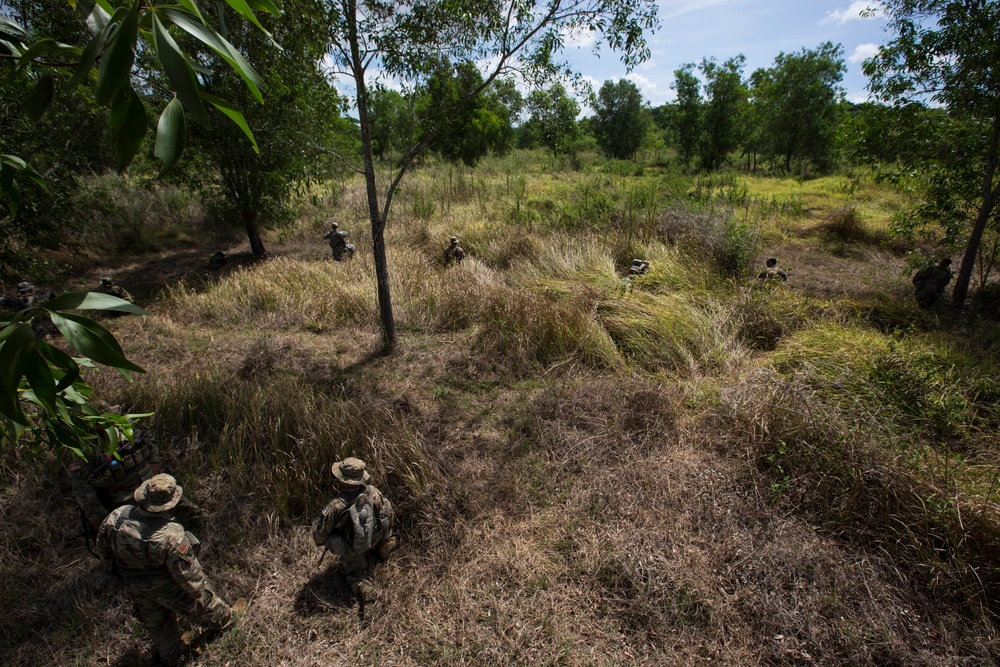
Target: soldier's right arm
{"x":327,"y":520}
{"x":105,"y":537}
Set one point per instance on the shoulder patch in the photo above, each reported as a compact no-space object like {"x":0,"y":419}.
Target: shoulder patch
{"x":183,"y":546}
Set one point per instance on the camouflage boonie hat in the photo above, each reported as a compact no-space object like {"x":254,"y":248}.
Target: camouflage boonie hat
{"x":159,"y":493}
{"x":350,"y":472}
{"x":107,"y":282}
{"x":454,"y":240}
{"x":334,"y":225}
{"x":25,"y":287}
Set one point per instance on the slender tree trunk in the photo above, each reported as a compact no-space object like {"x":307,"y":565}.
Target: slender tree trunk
{"x":371,"y":187}
{"x":961,"y":291}
{"x":253,"y":233}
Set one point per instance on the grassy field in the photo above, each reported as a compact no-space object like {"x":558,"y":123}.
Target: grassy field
{"x":689,"y":468}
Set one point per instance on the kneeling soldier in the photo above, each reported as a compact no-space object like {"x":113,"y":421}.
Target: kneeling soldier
{"x":162,"y":575}
{"x":356,"y":526}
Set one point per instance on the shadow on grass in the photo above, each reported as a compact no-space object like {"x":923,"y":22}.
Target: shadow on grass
{"x":325,"y":592}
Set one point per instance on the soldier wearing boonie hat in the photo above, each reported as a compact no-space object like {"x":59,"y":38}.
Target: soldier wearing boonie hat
{"x":157,"y":561}
{"x":357,"y":526}
{"x":454,"y":252}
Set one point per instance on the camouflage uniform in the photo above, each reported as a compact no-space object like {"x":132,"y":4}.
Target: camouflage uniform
{"x":771,"y":271}
{"x":357,"y":526}
{"x":929,"y":283}
{"x":638,"y":268}
{"x":339,"y":247}
{"x":104,"y":482}
{"x":454,"y":252}
{"x":108,"y":286}
{"x":162,"y":575}
{"x":217,"y":261}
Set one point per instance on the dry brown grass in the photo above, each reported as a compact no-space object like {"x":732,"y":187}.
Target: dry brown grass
{"x":586,"y":472}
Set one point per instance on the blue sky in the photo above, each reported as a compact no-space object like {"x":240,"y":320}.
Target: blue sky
{"x":759,"y":29}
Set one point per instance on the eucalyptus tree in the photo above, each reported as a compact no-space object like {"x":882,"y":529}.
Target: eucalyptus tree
{"x":552,"y":118}
{"x":620,"y":124}
{"x":727,"y":98}
{"x":948,"y":52}
{"x":298,"y":131}
{"x":404,"y":39}
{"x":687,"y":116}
{"x":796,"y":104}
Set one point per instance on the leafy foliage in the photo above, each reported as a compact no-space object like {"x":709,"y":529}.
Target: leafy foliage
{"x":947,"y":51}
{"x":552,"y":119}
{"x":34,"y":373}
{"x":727,"y":98}
{"x":620,"y":124}
{"x":687,"y":120}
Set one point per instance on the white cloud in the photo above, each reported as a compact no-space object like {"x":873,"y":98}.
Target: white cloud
{"x":853,"y":13}
{"x":863,"y":52}
{"x":644,"y":84}
{"x":856,"y":97}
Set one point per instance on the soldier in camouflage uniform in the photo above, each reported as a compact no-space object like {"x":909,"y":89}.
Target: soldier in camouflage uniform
{"x":108,"y":286}
{"x":454,"y":253}
{"x":929,"y":283}
{"x":357,"y":526}
{"x":155,"y":558}
{"x":104,"y":482}
{"x":771,"y":271}
{"x":339,"y":247}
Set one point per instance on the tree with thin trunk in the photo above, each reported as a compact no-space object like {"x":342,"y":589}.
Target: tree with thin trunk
{"x":373,"y":39}
{"x":948,"y":52}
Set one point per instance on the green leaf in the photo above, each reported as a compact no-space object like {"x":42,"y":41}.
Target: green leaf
{"x":14,"y":352}
{"x":10,"y":189}
{"x":11,"y":48}
{"x":193,"y":9}
{"x":171,"y":135}
{"x":39,"y":101}
{"x":116,"y":64}
{"x":128,"y":128}
{"x":93,"y":341}
{"x":11,"y":28}
{"x":243,"y":9}
{"x":234,"y":114}
{"x":217,"y":43}
{"x":40,"y":379}
{"x":39,"y":48}
{"x":87,"y":59}
{"x":62,"y":361}
{"x":92,"y":301}
{"x":181,"y":75}
{"x":96,"y":17}
{"x":265,"y":5}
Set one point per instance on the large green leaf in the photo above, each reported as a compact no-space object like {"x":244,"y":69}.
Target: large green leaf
{"x":94,"y":15}
{"x":243,"y":9}
{"x":217,"y":43}
{"x":60,"y":360}
{"x":234,"y":114}
{"x":39,"y":48}
{"x":87,"y":59}
{"x":94,"y":341}
{"x":40,"y":379}
{"x":116,"y":63}
{"x":10,"y":189}
{"x":181,"y":75}
{"x":39,"y":101}
{"x":92,"y":301}
{"x":128,"y":127}
{"x":14,"y":352}
{"x":171,"y":135}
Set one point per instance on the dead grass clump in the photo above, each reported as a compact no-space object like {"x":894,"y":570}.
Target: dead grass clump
{"x":835,"y":466}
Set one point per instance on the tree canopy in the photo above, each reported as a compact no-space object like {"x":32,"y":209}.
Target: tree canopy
{"x":947,"y":52}
{"x":620,"y":124}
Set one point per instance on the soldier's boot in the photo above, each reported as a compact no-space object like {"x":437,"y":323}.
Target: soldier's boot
{"x":366,"y":592}
{"x":386,"y":548}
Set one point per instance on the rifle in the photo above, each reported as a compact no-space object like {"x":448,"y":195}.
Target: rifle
{"x":87,"y":532}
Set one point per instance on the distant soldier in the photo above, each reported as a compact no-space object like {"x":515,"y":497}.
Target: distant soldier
{"x":357,"y":526}
{"x":16,"y":301}
{"x":454,"y":252}
{"x":638,"y":268}
{"x":28,"y":296}
{"x":930,"y":281}
{"x":108,"y":286}
{"x":339,"y":246}
{"x":104,"y":482}
{"x":153,"y":555}
{"x":771,"y":271}
{"x":217,"y":261}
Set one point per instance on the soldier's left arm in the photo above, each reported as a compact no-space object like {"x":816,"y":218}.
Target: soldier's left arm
{"x":183,"y":566}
